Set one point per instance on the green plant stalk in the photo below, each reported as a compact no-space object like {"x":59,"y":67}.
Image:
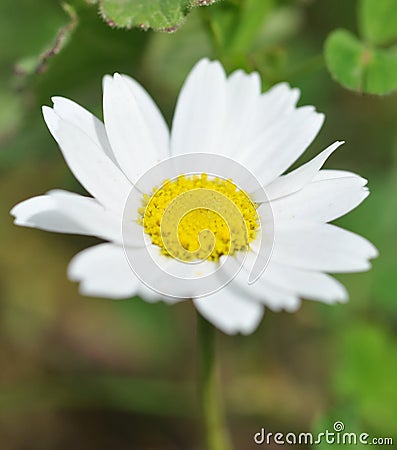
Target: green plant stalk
{"x":216,"y":435}
{"x":213,"y":32}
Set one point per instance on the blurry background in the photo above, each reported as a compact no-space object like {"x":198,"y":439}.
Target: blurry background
{"x":95,"y":374}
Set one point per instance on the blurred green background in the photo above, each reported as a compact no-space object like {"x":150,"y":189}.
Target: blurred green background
{"x":93,"y":374}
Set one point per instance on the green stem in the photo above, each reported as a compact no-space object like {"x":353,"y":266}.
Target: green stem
{"x":213,"y":31}
{"x":215,"y":432}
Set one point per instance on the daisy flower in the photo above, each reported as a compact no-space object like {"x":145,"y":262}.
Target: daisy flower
{"x":215,"y":116}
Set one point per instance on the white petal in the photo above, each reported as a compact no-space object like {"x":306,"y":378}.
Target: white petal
{"x":274,"y":297}
{"x":242,"y":103}
{"x":328,"y":174}
{"x":305,"y":283}
{"x":66,"y":212}
{"x":199,"y":114}
{"x":41,"y":212}
{"x":271,"y":295}
{"x":90,"y":165}
{"x":133,"y":127}
{"x":281,"y":286}
{"x":153,"y":117}
{"x":230,"y":311}
{"x":230,"y":117}
{"x":300,"y":177}
{"x":168,"y":275}
{"x":103,"y":271}
{"x":321,"y":201}
{"x":321,"y":247}
{"x":281,"y":144}
{"x":275,"y":104}
{"x":81,"y":118}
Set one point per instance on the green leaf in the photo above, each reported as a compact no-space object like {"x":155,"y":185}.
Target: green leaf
{"x":252,"y":18}
{"x":378,"y":20}
{"x":37,"y":63}
{"x":10,"y":113}
{"x":358,"y":67}
{"x":161,"y":15}
{"x":25,"y":32}
{"x":365,"y":376}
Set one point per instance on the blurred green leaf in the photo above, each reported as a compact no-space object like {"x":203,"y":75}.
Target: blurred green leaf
{"x":10,"y":113}
{"x":237,"y":25}
{"x":283,"y":23}
{"x":20,"y":35}
{"x":365,"y":398}
{"x":37,"y":63}
{"x":251,"y":35}
{"x":378,"y":20}
{"x":358,"y":67}
{"x":160,"y":15}
{"x":29,"y":54}
{"x":367,"y":364}
{"x":252,"y":16}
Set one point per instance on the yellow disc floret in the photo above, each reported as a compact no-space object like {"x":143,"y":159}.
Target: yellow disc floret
{"x":197,"y":217}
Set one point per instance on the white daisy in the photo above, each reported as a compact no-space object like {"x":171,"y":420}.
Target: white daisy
{"x":215,"y":114}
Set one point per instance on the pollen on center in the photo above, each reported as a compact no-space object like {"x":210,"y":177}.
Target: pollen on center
{"x":197,"y":217}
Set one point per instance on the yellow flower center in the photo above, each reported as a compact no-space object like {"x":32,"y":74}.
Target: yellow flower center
{"x":197,"y":218}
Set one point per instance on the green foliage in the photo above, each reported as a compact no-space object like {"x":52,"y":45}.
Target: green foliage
{"x":252,"y":18}
{"x":31,"y":53}
{"x":378,"y":21}
{"x":367,"y":364}
{"x":240,"y":24}
{"x":249,"y":35}
{"x":37,"y":63}
{"x":363,"y":384}
{"x":381,"y":215}
{"x":359,"y":67}
{"x":362,"y":65}
{"x":10,"y":113}
{"x":160,"y":15}
{"x":21,"y":36}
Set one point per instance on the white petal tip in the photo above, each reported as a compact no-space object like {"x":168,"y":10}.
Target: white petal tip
{"x":106,"y":80}
{"x":72,"y":272}
{"x":339,"y":297}
{"x":21,"y":223}
{"x":365,"y":266}
{"x":334,"y":300}
{"x":56,"y":99}
{"x":293,"y":307}
{"x":375,"y":253}
{"x":202,"y":62}
{"x":51,"y":118}
{"x":14,"y":211}
{"x":343,"y":300}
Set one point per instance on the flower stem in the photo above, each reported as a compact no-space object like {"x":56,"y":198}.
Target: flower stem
{"x":215,"y":432}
